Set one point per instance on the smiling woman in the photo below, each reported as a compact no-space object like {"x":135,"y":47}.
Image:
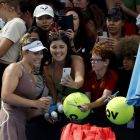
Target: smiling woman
{"x":18,"y":91}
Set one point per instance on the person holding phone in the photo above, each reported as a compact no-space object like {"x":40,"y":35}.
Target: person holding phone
{"x":18,"y":91}
{"x":79,"y":38}
{"x":43,"y":17}
{"x":63,"y":57}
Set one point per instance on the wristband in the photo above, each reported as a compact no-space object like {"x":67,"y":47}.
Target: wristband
{"x":72,"y":46}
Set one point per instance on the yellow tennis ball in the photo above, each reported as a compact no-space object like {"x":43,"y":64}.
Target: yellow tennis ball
{"x":73,"y":112}
{"x":118,"y":112}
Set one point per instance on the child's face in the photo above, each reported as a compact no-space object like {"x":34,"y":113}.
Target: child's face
{"x":97,"y":62}
{"x":128,"y":63}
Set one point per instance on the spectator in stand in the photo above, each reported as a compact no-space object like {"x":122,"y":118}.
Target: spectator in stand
{"x":43,"y":18}
{"x":95,"y":21}
{"x":62,"y":57}
{"x":9,"y":42}
{"x":131,"y":9}
{"x":56,"y":5}
{"x":79,"y":39}
{"x":100,"y":82}
{"x":83,"y":4}
{"x":26,"y":11}
{"x":126,"y":50}
{"x":18,"y":91}
{"x":115,"y":20}
{"x":138,"y":23}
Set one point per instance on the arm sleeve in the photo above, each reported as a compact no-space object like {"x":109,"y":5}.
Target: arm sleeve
{"x":14,"y":31}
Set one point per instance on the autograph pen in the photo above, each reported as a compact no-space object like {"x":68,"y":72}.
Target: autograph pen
{"x":74,"y":105}
{"x":112,"y":95}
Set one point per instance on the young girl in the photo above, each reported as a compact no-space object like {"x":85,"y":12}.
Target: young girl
{"x":19,"y":89}
{"x":43,"y":17}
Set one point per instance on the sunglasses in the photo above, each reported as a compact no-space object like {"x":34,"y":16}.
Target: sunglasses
{"x":96,"y":60}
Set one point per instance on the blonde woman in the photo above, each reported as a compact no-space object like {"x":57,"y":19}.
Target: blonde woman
{"x":19,"y":90}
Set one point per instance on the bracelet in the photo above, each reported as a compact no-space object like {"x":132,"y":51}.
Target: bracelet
{"x":72,"y":46}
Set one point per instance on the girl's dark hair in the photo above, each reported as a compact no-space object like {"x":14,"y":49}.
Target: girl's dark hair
{"x":34,"y":22}
{"x":27,"y":6}
{"x":96,"y":15}
{"x":41,"y":33}
{"x":82,"y":36}
{"x":65,"y":39}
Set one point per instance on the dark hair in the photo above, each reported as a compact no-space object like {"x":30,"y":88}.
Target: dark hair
{"x":65,"y":39}
{"x":28,"y":6}
{"x":34,"y":22}
{"x":82,"y":36}
{"x":96,"y":15}
{"x":40,"y":31}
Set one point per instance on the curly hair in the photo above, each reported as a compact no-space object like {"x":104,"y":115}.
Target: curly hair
{"x":127,"y":47}
{"x":103,"y":51}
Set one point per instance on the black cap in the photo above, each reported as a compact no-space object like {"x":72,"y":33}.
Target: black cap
{"x":117,"y":13}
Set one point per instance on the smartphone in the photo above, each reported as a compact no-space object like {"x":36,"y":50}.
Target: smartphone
{"x":54,"y":25}
{"x":66,"y":22}
{"x":66,"y":71}
{"x":102,"y":36}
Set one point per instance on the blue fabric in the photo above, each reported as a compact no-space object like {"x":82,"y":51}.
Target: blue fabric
{"x":133,"y":94}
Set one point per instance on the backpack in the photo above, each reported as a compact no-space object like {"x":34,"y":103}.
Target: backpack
{"x":86,"y":132}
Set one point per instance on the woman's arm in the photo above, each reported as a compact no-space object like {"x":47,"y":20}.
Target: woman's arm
{"x":9,"y":83}
{"x":110,"y":4}
{"x":5,"y":45}
{"x":49,"y":82}
{"x":78,"y":69}
{"x":68,"y":4}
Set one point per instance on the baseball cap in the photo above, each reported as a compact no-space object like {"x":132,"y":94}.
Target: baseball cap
{"x":43,"y":9}
{"x":34,"y":46}
{"x":117,"y":13}
{"x":138,"y":20}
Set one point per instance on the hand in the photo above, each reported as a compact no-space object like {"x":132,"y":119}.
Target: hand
{"x":51,"y":120}
{"x":42,"y":103}
{"x":34,"y":69}
{"x":68,"y":81}
{"x":70,"y":34}
{"x":119,"y":4}
{"x":110,"y":42}
{"x":84,"y":107}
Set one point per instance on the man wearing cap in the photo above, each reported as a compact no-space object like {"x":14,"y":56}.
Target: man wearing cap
{"x":138,"y":23}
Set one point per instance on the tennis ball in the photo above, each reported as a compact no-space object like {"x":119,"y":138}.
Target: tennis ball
{"x":118,"y":112}
{"x":73,"y":112}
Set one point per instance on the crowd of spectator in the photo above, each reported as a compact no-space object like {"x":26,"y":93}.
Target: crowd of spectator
{"x":33,"y":54}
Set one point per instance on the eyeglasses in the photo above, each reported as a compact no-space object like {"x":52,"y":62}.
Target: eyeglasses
{"x":96,"y":60}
